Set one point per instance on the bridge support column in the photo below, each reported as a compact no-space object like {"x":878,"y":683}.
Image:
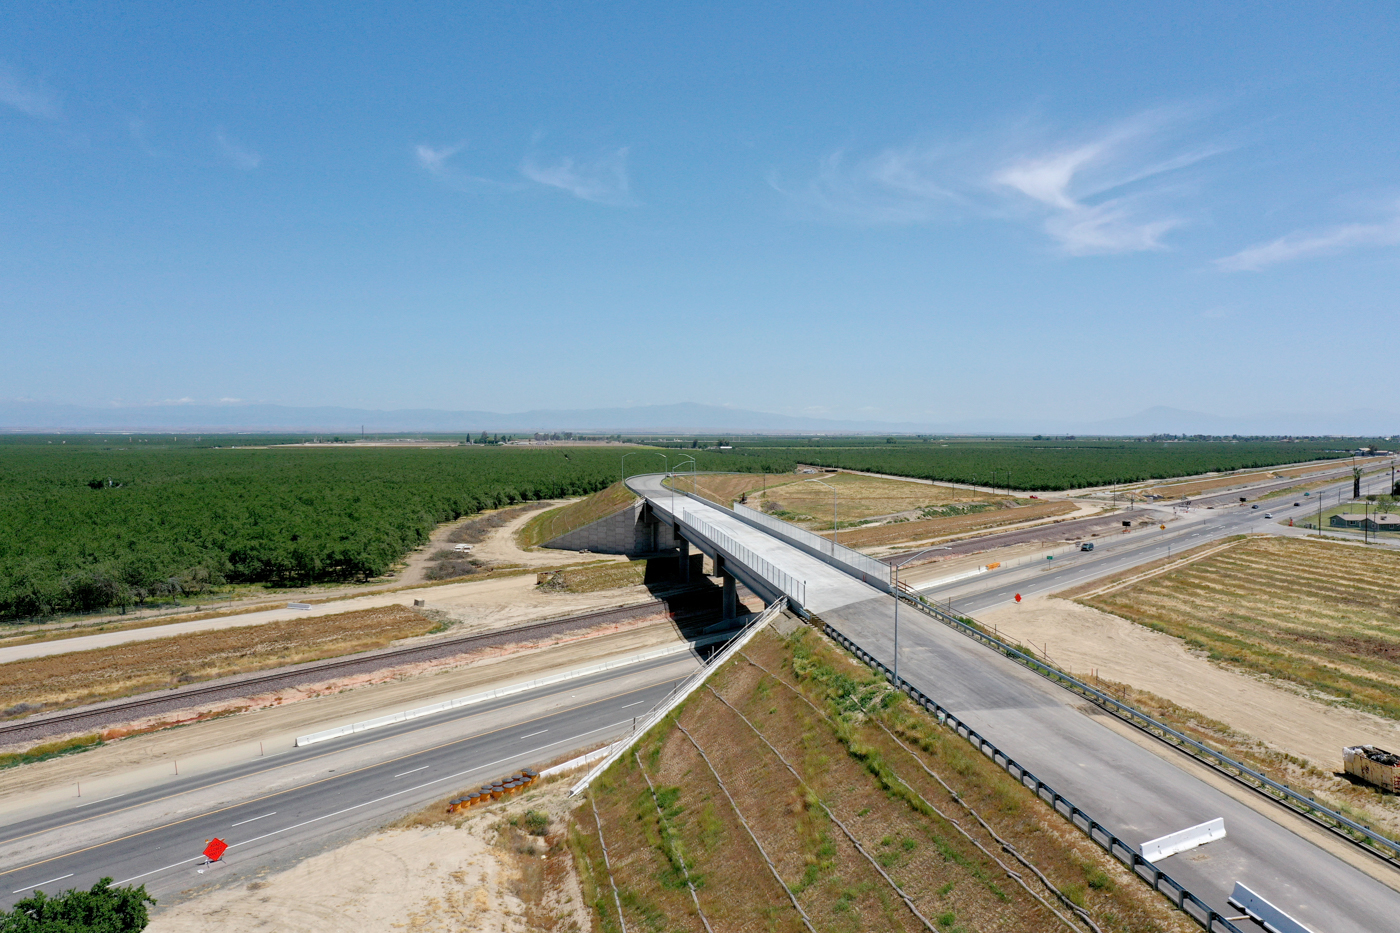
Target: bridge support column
{"x":684,"y":558}
{"x":730,"y":600}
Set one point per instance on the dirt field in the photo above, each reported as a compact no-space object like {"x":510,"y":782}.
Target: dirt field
{"x":1320,"y":615}
{"x":927,"y":529}
{"x":860,"y":497}
{"x":479,"y":872}
{"x":1196,"y":487}
{"x":68,"y":680}
{"x":724,"y":488}
{"x":845,"y":759}
{"x":1280,"y":728}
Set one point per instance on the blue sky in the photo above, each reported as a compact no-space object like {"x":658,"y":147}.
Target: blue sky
{"x":876,"y":211}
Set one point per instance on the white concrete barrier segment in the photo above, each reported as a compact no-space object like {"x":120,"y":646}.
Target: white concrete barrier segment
{"x":1269,"y":916}
{"x":598,"y":754}
{"x":482,"y":697}
{"x":944,"y":581}
{"x":1189,"y":838}
{"x":298,"y":605}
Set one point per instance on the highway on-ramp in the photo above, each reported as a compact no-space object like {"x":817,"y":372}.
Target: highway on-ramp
{"x":1133,"y":792}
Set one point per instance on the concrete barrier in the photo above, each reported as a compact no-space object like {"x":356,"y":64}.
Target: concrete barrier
{"x":509,"y":690}
{"x":1180,"y":841}
{"x":1272,"y":919}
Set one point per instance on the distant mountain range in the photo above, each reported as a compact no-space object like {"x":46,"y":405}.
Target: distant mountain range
{"x":682,"y":418}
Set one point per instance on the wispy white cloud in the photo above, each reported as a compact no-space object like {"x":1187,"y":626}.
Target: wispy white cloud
{"x":238,"y":155}
{"x":1303,"y":244}
{"x":1103,"y":192}
{"x":33,"y":98}
{"x":438,"y":162}
{"x":602,"y":180}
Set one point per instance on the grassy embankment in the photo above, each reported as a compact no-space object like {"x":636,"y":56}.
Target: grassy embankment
{"x":1322,"y":616}
{"x":845,"y":746}
{"x":547,"y":526}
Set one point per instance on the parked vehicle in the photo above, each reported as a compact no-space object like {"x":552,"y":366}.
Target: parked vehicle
{"x":1373,"y":765}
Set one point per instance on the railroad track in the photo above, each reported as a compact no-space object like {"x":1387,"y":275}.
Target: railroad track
{"x":677,"y":608}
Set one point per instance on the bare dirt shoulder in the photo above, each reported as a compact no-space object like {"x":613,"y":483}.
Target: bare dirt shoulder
{"x":483,"y":872}
{"x":1084,"y":640}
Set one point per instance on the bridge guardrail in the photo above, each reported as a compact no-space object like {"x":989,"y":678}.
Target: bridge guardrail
{"x":1382,"y":846}
{"x":867,"y":569}
{"x":1195,"y":908}
{"x":684,"y":689}
{"x":781,"y":580}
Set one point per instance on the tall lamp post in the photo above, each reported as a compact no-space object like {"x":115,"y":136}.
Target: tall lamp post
{"x":895,"y":589}
{"x":835,"y":521}
{"x":673,"y":485}
{"x":624,"y":463}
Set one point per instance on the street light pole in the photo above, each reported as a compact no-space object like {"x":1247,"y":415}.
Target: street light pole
{"x":624,"y":463}
{"x":835,"y":519}
{"x":895,"y":569}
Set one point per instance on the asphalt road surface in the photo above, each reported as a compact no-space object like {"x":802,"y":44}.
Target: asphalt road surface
{"x":271,"y":812}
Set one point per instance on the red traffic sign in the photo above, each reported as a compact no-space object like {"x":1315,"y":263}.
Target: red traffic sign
{"x":215,"y":849}
{"x":1018,"y":597}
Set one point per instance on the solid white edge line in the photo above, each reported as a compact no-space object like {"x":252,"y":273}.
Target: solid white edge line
{"x":359,"y":805}
{"x":250,"y":819}
{"x":42,"y":883}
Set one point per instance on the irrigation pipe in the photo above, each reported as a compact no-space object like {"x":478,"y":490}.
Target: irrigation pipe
{"x":832,"y":816}
{"x":665,"y":831}
{"x":737,"y":812}
{"x":1006,"y":846}
{"x":606,"y":864}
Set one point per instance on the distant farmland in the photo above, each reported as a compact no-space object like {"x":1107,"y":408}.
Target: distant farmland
{"x":88,"y":527}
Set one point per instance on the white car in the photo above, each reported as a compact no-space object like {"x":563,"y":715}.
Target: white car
{"x":1268,"y":514}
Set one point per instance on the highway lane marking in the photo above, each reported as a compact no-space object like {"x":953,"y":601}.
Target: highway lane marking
{"x":414,"y":771}
{"x":326,"y":816}
{"x":289,"y":790}
{"x":533,"y":734}
{"x":383,"y":738}
{"x":251,"y":819}
{"x":630,"y":705}
{"x":42,"y":883}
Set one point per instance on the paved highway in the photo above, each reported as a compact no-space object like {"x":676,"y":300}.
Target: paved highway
{"x":1132,"y":791}
{"x":272,"y":811}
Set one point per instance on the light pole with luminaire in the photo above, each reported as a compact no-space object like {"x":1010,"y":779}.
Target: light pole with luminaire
{"x":624,"y":463}
{"x":894,"y":568}
{"x":673,"y":485}
{"x":835,"y":522}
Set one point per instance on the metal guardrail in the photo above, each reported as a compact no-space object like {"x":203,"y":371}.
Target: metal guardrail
{"x":867,"y":569}
{"x":684,"y":689}
{"x":1380,"y":845}
{"x":1195,"y":908}
{"x":781,"y":580}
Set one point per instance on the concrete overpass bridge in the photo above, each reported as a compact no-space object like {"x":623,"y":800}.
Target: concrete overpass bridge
{"x":1138,"y":793}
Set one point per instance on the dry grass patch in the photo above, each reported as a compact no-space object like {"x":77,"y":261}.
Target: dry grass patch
{"x":549,"y":525}
{"x":823,"y":713}
{"x":67,"y":680}
{"x":724,"y":488}
{"x":1320,"y":615}
{"x":860,"y":498}
{"x":926,"y":529}
{"x":594,"y":578}
{"x":1199,"y":486}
